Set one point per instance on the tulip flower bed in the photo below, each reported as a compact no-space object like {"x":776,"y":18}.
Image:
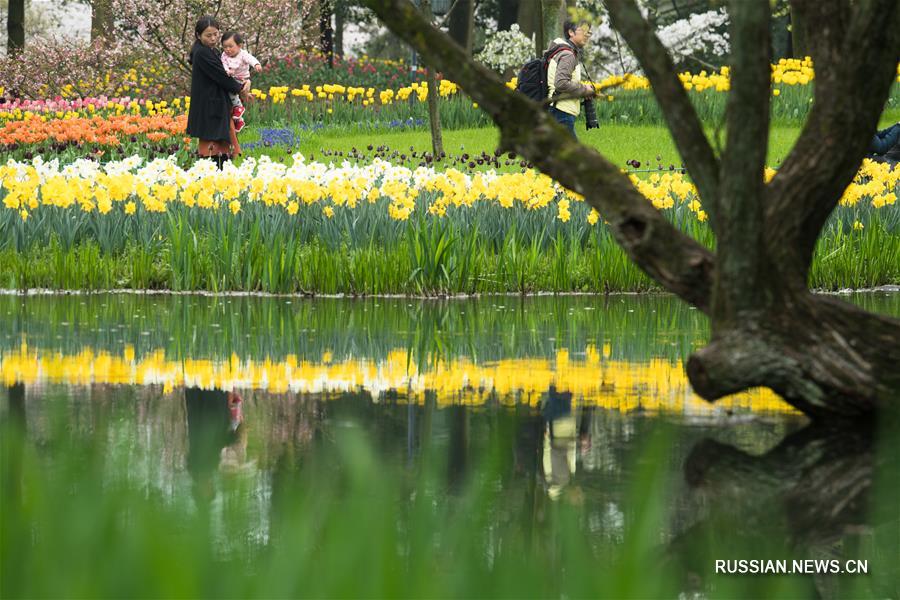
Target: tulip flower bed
{"x":75,"y":137}
{"x":312,"y":68}
{"x":375,"y":103}
{"x":365,"y":229}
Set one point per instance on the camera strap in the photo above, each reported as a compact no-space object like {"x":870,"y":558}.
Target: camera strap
{"x":584,"y":72}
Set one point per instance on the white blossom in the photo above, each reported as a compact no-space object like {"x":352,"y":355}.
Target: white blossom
{"x":699,"y":36}
{"x":507,"y":49}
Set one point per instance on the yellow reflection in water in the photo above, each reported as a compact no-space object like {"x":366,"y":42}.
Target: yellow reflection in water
{"x":594,"y":379}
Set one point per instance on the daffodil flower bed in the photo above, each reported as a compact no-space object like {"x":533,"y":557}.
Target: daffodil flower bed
{"x":372,"y":228}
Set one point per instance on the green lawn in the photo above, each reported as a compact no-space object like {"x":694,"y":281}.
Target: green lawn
{"x":619,"y":143}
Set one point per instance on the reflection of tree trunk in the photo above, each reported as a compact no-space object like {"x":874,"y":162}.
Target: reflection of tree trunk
{"x":16,"y":394}
{"x":462,"y":24}
{"x":526,"y":465}
{"x":11,"y":441}
{"x":821,"y":476}
{"x":805,"y":495}
{"x":427,"y":418}
{"x":458,"y":452}
{"x":15,"y":25}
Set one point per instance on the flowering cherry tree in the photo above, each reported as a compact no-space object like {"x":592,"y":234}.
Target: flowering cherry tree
{"x":59,"y":66}
{"x":507,"y":49}
{"x":148,"y":47}
{"x":700,"y":38}
{"x":270,"y":27}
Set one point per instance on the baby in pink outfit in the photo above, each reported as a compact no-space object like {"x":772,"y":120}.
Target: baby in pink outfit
{"x":237,"y":63}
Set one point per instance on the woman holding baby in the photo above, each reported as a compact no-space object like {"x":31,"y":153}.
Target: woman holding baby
{"x":210,"y":115}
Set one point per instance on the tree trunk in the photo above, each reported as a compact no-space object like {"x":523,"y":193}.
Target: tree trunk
{"x":325,"y":32}
{"x":529,"y":23}
{"x":551,"y":19}
{"x":101,"y":20}
{"x":434,"y":115}
{"x":339,"y":29}
{"x":508,"y":14}
{"x":15,"y":26}
{"x":822,"y":355}
{"x":462,"y":24}
{"x":797,"y":39}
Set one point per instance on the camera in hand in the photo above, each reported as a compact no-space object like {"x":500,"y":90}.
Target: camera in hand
{"x":590,"y":114}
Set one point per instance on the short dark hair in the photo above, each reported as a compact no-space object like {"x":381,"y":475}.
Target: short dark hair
{"x":205,"y":22}
{"x":238,"y":38}
{"x":569,"y":26}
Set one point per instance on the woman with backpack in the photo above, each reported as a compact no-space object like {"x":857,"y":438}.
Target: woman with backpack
{"x":564,"y":73}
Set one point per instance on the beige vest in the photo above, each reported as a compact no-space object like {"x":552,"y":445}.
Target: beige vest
{"x":571,"y":106}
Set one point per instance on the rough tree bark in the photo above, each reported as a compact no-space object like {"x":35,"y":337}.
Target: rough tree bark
{"x":551,"y":19}
{"x":15,"y":26}
{"x":822,"y":355}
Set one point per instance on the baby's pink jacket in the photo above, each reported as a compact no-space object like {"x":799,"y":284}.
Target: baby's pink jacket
{"x":239,"y":66}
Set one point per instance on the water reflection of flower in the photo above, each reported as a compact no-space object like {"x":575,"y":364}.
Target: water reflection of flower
{"x":650,"y":385}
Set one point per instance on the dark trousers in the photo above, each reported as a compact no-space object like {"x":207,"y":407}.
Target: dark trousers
{"x":564,"y":118}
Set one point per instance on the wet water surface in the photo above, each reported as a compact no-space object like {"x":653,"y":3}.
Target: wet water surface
{"x":527,"y":423}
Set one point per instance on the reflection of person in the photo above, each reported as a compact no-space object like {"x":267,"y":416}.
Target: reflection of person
{"x":559,"y":441}
{"x":214,"y":423}
{"x":209,"y":116}
{"x":237,"y":63}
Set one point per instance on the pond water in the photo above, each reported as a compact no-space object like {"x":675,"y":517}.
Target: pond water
{"x":533,"y":425}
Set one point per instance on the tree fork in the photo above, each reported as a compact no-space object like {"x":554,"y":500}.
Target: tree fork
{"x":824,"y":356}
{"x":855,"y":59}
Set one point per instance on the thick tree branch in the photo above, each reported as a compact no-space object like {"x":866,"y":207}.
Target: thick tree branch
{"x":673,"y":259}
{"x":855,"y":65}
{"x":740,"y":259}
{"x":824,"y":356}
{"x":682,"y":119}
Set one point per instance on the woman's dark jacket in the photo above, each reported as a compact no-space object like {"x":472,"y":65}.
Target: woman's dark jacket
{"x":210,"y":112}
